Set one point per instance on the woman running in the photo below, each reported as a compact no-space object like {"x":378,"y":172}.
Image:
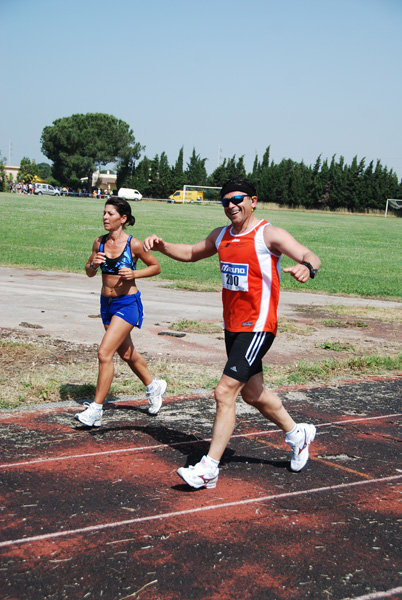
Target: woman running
{"x":116,"y":254}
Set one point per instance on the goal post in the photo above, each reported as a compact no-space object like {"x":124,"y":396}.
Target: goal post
{"x":394,"y":203}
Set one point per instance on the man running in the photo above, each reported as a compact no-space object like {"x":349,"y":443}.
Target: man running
{"x":249,"y":253}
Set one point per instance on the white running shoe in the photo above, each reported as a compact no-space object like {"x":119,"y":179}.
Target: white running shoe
{"x":300,"y":450}
{"x":155,"y":397}
{"x":92,"y":416}
{"x":199,"y":475}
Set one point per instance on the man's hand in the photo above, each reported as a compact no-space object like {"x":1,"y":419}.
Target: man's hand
{"x":299,"y":272}
{"x":152,"y":242}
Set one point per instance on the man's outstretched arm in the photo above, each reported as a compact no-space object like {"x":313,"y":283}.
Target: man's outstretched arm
{"x":183,"y":252}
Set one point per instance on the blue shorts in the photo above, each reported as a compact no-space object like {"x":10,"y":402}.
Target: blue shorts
{"x":128,"y":307}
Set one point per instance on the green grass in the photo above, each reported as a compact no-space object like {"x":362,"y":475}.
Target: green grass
{"x":305,"y":371}
{"x":360,"y":254}
{"x":196,"y":327}
{"x":333,"y":323}
{"x":381,"y":313}
{"x":336,"y":346}
{"x":32,"y":374}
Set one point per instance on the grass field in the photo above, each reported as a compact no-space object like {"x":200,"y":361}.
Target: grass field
{"x":360,"y":254}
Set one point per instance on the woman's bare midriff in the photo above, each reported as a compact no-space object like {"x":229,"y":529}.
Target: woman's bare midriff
{"x":114,"y":285}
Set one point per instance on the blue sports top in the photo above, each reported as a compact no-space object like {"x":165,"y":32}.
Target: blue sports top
{"x":113,"y":265}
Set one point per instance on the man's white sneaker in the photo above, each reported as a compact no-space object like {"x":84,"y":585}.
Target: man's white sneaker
{"x":92,"y":416}
{"x":155,"y":397}
{"x":199,"y":475}
{"x":300,"y":449}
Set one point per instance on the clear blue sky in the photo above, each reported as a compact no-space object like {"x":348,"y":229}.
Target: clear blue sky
{"x":306,"y":77}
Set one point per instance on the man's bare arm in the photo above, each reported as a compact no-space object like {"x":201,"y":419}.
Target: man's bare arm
{"x":183,"y":252}
{"x":281,"y":241}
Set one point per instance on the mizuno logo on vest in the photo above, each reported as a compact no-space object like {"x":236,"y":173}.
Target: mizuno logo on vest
{"x":234,"y":269}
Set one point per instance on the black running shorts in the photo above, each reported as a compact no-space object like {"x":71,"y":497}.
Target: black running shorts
{"x":245,"y":351}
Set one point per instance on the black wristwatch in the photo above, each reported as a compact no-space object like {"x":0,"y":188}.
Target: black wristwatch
{"x":92,"y":267}
{"x":313,"y":272}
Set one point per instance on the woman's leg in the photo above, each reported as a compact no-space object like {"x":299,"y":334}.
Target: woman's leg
{"x":116,"y":334}
{"x":135,"y":361}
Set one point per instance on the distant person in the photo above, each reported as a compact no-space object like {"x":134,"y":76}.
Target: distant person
{"x":116,"y":254}
{"x":249,"y":254}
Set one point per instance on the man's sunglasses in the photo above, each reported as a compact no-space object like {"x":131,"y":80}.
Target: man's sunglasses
{"x":233,"y":200}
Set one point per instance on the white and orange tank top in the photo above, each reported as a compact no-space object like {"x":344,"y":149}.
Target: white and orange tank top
{"x":250,"y":280}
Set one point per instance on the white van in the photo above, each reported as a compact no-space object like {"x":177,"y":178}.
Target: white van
{"x":129,"y":194}
{"x":45,"y":188}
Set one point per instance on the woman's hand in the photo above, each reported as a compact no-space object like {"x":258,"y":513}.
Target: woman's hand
{"x":127,"y":274}
{"x":99,"y":258}
{"x":94,"y":262}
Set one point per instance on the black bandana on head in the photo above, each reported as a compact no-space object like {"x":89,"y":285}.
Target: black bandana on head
{"x":232,"y":186}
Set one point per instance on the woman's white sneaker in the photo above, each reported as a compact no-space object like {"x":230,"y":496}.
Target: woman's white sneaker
{"x":155,"y":396}
{"x":92,"y":416}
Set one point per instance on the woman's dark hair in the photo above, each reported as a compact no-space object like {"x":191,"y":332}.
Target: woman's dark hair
{"x":123,"y":208}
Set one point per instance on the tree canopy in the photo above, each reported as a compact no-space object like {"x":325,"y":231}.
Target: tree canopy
{"x":80,"y":144}
{"x":28,"y":170}
{"x":2,"y":173}
{"x":324,"y":185}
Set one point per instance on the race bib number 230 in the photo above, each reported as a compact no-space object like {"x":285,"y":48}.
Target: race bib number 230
{"x":234,"y":276}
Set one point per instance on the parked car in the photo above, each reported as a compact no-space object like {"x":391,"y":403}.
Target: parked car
{"x":129,"y":194}
{"x":45,"y":188}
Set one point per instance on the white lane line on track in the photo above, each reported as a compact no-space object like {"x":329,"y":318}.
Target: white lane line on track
{"x":375,"y":595}
{"x":174,"y":444}
{"x":191,"y":511}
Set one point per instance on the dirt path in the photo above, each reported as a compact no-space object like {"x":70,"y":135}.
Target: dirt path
{"x":63,"y":306}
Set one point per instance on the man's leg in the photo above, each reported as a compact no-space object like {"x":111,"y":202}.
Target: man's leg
{"x":226,"y":393}
{"x":206,"y":472}
{"x":298,"y":435}
{"x":268,"y":403}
